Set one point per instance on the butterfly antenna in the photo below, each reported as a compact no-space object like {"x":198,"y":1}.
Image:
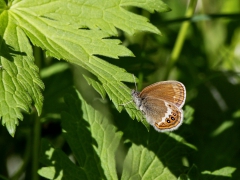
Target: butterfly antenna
{"x":136,"y":90}
{"x":135,"y":82}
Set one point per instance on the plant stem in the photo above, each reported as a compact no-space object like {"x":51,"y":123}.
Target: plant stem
{"x":36,"y":145}
{"x":180,"y":38}
{"x":38,"y":55}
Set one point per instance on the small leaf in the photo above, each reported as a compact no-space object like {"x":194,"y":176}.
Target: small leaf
{"x":188,"y":114}
{"x":183,"y":177}
{"x":97,"y":86}
{"x":225,"y":171}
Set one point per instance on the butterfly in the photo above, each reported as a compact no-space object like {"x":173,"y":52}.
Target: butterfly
{"x":161,"y":103}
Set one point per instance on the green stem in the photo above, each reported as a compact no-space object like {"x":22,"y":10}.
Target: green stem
{"x":180,"y":38}
{"x":36,"y":145}
{"x":37,"y":125}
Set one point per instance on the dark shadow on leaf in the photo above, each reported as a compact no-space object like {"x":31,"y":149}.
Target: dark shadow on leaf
{"x":49,"y":18}
{"x":54,"y":92}
{"x":8,"y":51}
{"x":169,"y":151}
{"x":62,"y":165}
{"x":76,"y":132}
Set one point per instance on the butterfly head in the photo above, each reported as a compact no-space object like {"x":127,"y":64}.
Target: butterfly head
{"x":136,"y":99}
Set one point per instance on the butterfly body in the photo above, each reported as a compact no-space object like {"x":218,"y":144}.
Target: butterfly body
{"x":161,"y":104}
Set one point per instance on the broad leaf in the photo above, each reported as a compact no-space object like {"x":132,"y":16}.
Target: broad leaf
{"x":55,"y":28}
{"x":92,"y":139}
{"x":160,"y":158}
{"x":155,"y":155}
{"x":59,"y":165}
{"x":20,"y":85}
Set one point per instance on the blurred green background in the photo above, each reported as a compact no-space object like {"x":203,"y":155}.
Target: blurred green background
{"x":208,"y":65}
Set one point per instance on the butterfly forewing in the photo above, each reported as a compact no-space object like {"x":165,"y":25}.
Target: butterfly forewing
{"x":153,"y":108}
{"x":170,"y":91}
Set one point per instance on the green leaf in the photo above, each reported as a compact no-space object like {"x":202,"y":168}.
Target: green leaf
{"x":183,"y":177}
{"x":188,"y":114}
{"x":150,"y":5}
{"x":96,"y":86}
{"x":180,"y":139}
{"x":92,"y":139}
{"x":104,"y":15}
{"x":225,"y":171}
{"x":141,"y":163}
{"x":53,"y":69}
{"x":20,"y":85}
{"x":223,"y":127}
{"x":159,"y":158}
{"x":55,"y":28}
{"x":59,"y":165}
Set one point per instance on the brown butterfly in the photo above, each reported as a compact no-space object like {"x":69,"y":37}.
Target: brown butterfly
{"x":161,"y":103}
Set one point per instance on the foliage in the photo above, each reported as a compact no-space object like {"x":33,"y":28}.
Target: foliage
{"x":84,"y":135}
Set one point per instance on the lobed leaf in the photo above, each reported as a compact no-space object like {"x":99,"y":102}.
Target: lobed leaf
{"x":20,"y":85}
{"x":54,"y":26}
{"x":158,"y":158}
{"x":59,"y":165}
{"x":95,"y":15}
{"x":93,"y":140}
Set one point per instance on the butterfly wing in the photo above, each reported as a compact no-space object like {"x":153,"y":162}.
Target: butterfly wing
{"x":170,"y":91}
{"x":162,"y":115}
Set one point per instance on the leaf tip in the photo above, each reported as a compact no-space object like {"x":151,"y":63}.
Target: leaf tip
{"x":11,"y":127}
